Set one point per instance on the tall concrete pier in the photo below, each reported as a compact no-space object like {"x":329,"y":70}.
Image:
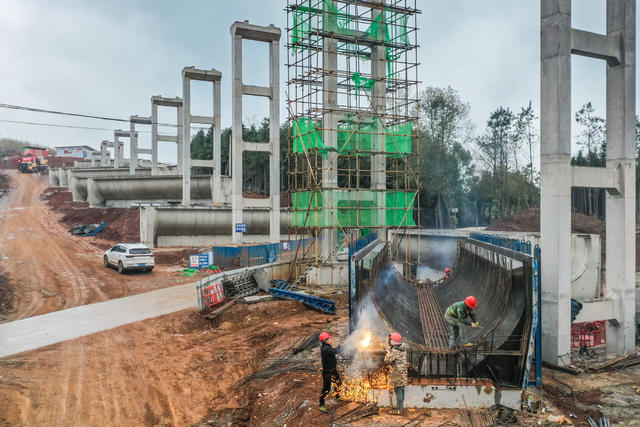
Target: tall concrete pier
{"x":617,"y":47}
{"x":159,"y":101}
{"x":214,"y":77}
{"x":244,"y":31}
{"x":118,"y":147}
{"x":134,"y":150}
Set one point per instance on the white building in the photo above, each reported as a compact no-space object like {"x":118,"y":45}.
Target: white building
{"x":82,"y":151}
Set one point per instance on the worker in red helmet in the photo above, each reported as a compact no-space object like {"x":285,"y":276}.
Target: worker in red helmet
{"x":330,"y":372}
{"x":458,"y":314}
{"x":396,"y":358}
{"x":447,"y":273}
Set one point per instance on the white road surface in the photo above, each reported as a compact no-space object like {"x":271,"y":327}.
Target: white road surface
{"x":39,"y":331}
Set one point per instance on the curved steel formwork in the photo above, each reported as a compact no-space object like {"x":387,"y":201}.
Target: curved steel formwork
{"x":501,"y":280}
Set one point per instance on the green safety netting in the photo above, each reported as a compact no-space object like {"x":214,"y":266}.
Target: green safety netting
{"x":354,"y":136}
{"x":352,"y":208}
{"x":314,"y":15}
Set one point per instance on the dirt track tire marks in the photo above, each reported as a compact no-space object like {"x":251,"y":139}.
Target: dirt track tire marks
{"x":48,"y":268}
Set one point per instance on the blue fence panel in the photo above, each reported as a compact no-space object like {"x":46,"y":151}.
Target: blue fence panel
{"x":248,"y":256}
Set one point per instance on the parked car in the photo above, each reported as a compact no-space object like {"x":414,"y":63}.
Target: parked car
{"x":129,"y":256}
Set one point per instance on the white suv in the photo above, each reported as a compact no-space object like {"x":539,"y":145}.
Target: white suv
{"x":129,"y":256}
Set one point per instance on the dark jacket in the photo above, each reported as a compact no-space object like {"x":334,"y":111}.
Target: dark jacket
{"x":462,"y":312}
{"x":328,"y":353}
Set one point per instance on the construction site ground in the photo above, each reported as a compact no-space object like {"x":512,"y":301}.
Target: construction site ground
{"x":182,"y":369}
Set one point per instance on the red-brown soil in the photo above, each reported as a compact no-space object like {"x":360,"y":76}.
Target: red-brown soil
{"x":47,"y":269}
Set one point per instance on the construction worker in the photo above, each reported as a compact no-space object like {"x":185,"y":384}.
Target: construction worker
{"x":458,"y":314}
{"x":447,"y":272}
{"x":329,"y":368}
{"x":396,"y":358}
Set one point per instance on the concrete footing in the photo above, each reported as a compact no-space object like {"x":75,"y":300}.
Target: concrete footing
{"x":447,"y":396}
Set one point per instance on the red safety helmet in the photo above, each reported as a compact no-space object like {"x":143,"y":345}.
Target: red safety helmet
{"x":447,"y":270}
{"x":396,"y":337}
{"x":324,"y":336}
{"x":471,"y":301}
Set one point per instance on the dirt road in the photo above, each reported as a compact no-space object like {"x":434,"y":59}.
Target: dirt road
{"x":47,"y":269}
{"x":52,"y":328}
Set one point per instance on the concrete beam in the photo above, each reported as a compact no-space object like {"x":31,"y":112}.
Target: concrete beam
{"x":598,"y":46}
{"x":260,"y":147}
{"x":202,"y":163}
{"x":166,"y":102}
{"x":193,"y":73}
{"x":256,"y":32}
{"x":256,"y":91}
{"x":595,"y":177}
{"x":202,"y":120}
{"x":167,"y":138}
{"x":602,"y":309}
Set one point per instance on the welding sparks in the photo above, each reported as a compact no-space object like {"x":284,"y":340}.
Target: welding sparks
{"x":359,"y":387}
{"x":366,"y":340}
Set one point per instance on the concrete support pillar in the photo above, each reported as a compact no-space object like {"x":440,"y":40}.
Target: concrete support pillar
{"x":378,"y":101}
{"x":270,"y":35}
{"x":154,"y":138}
{"x":118,"y":147}
{"x":236,"y":135}
{"x":555,"y":205}
{"x":558,"y":42}
{"x":117,"y":152}
{"x":215,"y":77}
{"x":159,"y":101}
{"x":180,"y":137}
{"x":274,"y":139}
{"x":620,"y":207}
{"x":186,"y":141}
{"x":134,"y":150}
{"x":330,"y":137}
{"x":104,"y":153}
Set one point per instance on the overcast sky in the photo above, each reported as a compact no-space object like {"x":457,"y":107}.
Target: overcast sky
{"x":108,"y":58}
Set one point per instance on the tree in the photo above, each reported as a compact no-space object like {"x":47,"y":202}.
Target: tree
{"x":592,"y":134}
{"x":591,"y":139}
{"x":444,"y":160}
{"x":494,"y":148}
{"x":524,"y":131}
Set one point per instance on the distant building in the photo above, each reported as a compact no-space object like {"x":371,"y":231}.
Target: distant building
{"x":82,"y":151}
{"x":34,"y":151}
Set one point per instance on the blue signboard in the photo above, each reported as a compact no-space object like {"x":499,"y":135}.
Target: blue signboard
{"x":241,"y":227}
{"x":199,"y":261}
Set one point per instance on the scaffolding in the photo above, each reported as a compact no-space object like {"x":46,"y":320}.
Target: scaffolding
{"x":352,"y":101}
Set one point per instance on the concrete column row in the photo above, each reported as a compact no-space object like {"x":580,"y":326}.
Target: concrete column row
{"x":244,"y":31}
